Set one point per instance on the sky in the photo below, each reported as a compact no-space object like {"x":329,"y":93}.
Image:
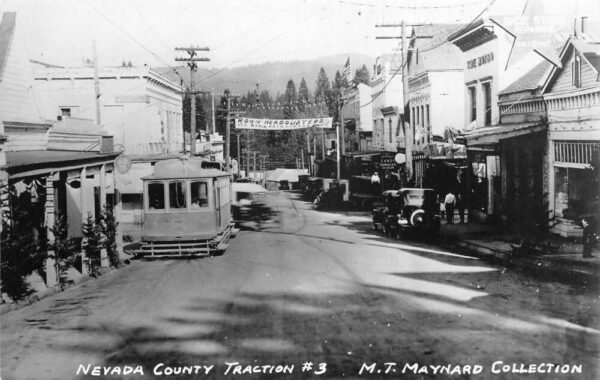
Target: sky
{"x":240,"y":32}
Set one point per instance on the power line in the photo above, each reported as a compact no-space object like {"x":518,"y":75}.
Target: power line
{"x":134,"y":39}
{"x":426,"y":49}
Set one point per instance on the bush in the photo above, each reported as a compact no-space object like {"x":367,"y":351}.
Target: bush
{"x":22,"y":253}
{"x":92,"y":244}
{"x":65,"y":249}
{"x":108,"y":227}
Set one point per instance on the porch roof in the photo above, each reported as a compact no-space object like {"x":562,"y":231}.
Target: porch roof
{"x":37,"y":162}
{"x":492,"y":135}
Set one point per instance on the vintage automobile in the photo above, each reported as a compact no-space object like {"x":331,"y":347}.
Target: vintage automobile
{"x":407,"y":210}
{"x":362,"y":193}
{"x":386,"y":216}
{"x":246,"y":198}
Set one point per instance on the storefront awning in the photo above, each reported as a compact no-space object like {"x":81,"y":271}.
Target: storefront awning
{"x":445,"y":151}
{"x":492,"y":135}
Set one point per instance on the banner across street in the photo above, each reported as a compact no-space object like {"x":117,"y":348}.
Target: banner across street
{"x":282,"y":124}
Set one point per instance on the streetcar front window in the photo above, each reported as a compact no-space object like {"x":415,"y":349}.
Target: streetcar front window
{"x":156,"y":196}
{"x":199,"y":193}
{"x":177,"y":192}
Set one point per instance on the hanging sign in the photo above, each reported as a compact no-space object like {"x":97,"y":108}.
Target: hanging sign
{"x":282,"y":124}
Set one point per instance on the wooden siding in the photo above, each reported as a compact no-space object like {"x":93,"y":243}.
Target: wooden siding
{"x":17,"y":102}
{"x":563,"y":81}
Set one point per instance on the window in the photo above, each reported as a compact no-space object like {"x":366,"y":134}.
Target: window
{"x":412,"y":122}
{"x":390,"y":129}
{"x":428,"y":123}
{"x":487,"y":97}
{"x":422,"y":124}
{"x":132,"y":202}
{"x":65,"y":111}
{"x":177,"y":193}
{"x":199,"y":192}
{"x":576,"y":71}
{"x":473,"y":102}
{"x":156,"y":196}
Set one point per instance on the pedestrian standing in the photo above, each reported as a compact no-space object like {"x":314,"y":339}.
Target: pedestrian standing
{"x":375,"y":183}
{"x":460,"y":205}
{"x":589,"y":235}
{"x":449,"y":204}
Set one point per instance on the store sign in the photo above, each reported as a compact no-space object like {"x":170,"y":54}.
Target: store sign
{"x":387,"y":163}
{"x":480,"y":61}
{"x":283,"y":124}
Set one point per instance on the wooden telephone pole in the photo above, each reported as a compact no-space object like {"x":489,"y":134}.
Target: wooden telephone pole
{"x":191,"y":63}
{"x":227,"y":149}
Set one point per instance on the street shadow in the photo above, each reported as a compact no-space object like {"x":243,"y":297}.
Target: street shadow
{"x":374,"y":324}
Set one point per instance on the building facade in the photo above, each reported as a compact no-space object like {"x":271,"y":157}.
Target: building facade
{"x":49,"y":169}
{"x":387,"y":101}
{"x":486,"y":46}
{"x":572,"y":96}
{"x":358,"y":119}
{"x":435,"y":90}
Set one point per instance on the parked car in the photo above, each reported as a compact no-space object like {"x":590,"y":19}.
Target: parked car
{"x":386,"y":216}
{"x":407,"y":210}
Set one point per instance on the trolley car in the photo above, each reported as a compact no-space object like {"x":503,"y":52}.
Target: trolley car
{"x":187,"y":210}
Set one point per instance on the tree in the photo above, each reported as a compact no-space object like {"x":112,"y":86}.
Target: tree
{"x":323,"y":90}
{"x":108,"y":227}
{"x":303,"y":97}
{"x":290,"y":99}
{"x":92,"y":243}
{"x":64,"y":248}
{"x":22,"y":252}
{"x":362,"y":75}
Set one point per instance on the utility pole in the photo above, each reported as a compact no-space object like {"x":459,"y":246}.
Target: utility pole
{"x":97,"y":84}
{"x":227,"y":149}
{"x":191,"y":62}
{"x":212,"y":104}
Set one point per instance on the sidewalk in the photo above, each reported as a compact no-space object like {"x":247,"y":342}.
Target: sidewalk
{"x":562,"y":257}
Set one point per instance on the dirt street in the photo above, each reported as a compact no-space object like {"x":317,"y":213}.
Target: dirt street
{"x":308,"y":286}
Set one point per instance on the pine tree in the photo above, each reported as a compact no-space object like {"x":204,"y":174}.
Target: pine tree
{"x":362,"y":75}
{"x":303,"y":97}
{"x":290,"y":99}
{"x":108,"y":227}
{"x":64,"y":248}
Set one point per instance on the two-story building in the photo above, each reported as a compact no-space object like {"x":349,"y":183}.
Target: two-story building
{"x":572,"y":96}
{"x":387,"y":101}
{"x":486,"y":46}
{"x":435,"y":90}
{"x":358,"y":119}
{"x":139,"y":106}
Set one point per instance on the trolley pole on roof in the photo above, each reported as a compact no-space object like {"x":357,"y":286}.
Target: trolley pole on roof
{"x":191,"y":63}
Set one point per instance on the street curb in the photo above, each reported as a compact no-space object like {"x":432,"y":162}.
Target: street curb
{"x":7,"y":308}
{"x":535,"y":262}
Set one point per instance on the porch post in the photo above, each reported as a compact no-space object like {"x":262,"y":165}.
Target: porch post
{"x":104,"y":263}
{"x":118,"y":208}
{"x":85,"y":268}
{"x":49,"y":213}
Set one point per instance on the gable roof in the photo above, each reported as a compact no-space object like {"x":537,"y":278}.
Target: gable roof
{"x":531,"y":80}
{"x":7,"y":30}
{"x":590,"y":50}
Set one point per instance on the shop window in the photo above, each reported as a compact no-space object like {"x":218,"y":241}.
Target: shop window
{"x":473,"y":102}
{"x":487,"y":97}
{"x":574,"y":192}
{"x":199,"y":193}
{"x":156,"y":196}
{"x":177,"y":192}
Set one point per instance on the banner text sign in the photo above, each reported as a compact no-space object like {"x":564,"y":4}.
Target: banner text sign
{"x":282,"y":124}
